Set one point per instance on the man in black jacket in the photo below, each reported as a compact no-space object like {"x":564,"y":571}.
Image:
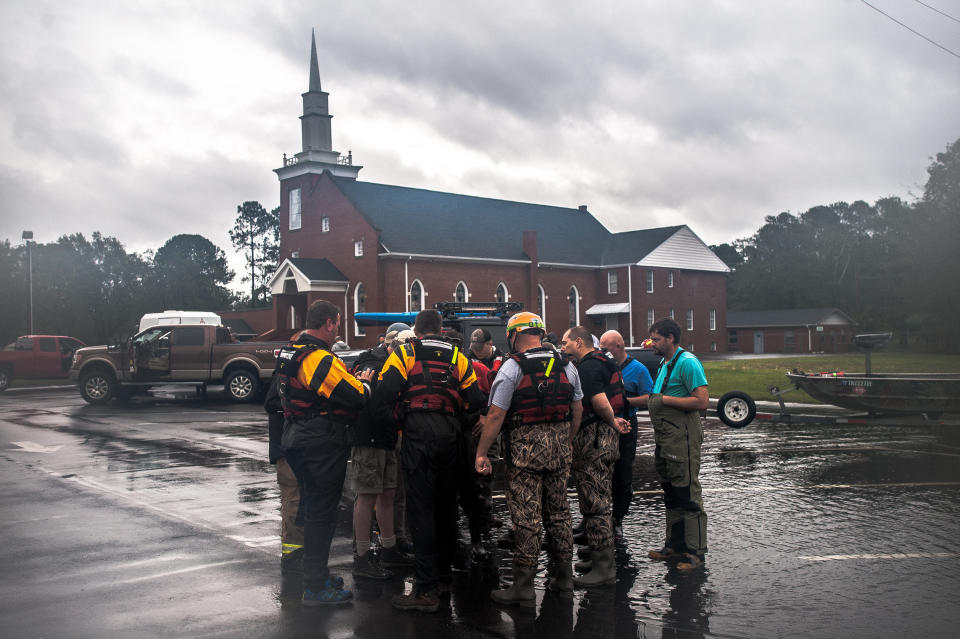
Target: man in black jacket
{"x":320,"y":400}
{"x":434,"y":384}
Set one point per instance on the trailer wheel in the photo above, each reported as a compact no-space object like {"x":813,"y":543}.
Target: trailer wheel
{"x":736,"y":409}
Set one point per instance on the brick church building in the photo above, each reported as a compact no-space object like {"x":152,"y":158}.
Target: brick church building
{"x":377,"y":247}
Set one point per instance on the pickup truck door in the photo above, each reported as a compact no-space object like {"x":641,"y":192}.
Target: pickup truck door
{"x":190,"y":354}
{"x":151,"y":353}
{"x":46,"y":358}
{"x":68,"y":347}
{"x":24,"y":361}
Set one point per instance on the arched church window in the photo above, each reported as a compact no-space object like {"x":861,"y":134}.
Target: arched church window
{"x":502,"y":294}
{"x":416,"y":297}
{"x":574,"y":304}
{"x":359,"y":306}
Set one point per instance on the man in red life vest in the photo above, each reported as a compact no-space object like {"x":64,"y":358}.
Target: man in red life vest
{"x":537,"y":394}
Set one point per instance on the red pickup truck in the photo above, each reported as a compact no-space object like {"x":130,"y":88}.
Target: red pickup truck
{"x":37,"y":357}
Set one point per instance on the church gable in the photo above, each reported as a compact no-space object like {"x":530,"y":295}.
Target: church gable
{"x":684,"y":250}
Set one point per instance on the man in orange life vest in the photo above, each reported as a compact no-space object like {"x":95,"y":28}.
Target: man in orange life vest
{"x":596,"y":448}
{"x":537,"y":394}
{"x":320,"y":399}
{"x":433,"y":384}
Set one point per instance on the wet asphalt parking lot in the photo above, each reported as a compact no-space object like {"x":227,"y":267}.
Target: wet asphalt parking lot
{"x":160,"y":518}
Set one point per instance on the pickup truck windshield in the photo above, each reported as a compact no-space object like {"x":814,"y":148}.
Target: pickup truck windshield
{"x":151,"y":336}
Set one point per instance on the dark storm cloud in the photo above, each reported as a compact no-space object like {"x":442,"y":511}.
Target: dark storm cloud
{"x":711,"y":114}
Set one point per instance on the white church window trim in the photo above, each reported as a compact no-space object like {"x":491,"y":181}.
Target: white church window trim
{"x":294,"y":209}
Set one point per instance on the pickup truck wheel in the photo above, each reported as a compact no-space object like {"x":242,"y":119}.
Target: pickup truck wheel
{"x":241,"y":386}
{"x":97,"y":386}
{"x":5,"y":378}
{"x":736,"y":409}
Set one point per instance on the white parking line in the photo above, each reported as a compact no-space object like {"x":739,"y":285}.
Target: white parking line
{"x":738,"y":489}
{"x":892,"y":555}
{"x":181,"y":571}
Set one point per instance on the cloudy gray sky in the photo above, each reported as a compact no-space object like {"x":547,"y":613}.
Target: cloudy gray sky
{"x":147,"y":119}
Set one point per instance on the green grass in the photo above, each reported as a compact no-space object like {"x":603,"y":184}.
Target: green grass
{"x":754,"y":376}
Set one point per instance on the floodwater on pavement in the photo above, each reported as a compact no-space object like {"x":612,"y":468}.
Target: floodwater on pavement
{"x":843,"y":530}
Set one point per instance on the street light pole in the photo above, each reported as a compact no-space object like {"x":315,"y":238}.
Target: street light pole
{"x":28,"y":236}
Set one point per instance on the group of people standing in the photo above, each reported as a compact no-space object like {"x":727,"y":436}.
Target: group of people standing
{"x":556,"y":412}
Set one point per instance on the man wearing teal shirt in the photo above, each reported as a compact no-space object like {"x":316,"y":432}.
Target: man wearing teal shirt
{"x":679,"y":394}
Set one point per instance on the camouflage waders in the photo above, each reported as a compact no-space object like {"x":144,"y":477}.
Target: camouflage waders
{"x":679,"y":436}
{"x":536,"y":478}
{"x":596,"y":450}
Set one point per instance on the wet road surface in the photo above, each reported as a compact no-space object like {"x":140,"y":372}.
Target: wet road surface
{"x":160,"y":518}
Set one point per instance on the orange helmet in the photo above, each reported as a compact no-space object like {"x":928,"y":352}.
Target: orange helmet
{"x":525,"y":322}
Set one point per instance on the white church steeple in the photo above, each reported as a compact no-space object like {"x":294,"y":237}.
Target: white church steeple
{"x":317,"y":154}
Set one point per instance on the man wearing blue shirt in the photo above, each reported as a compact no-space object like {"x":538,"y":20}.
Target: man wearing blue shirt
{"x":679,"y":394}
{"x":638,"y":385}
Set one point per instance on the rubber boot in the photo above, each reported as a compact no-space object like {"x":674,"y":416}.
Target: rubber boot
{"x":521,"y":592}
{"x":602,"y":572}
{"x":560,"y":576}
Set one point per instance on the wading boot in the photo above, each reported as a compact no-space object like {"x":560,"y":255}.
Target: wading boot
{"x":521,"y":592}
{"x":366,"y":566}
{"x":560,"y":576}
{"x":292,"y":562}
{"x":393,"y":557}
{"x":664,"y":554}
{"x":602,"y":572}
{"x":420,"y":600}
{"x":690,"y":561}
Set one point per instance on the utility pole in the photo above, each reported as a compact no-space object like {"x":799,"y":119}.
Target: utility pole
{"x":28,"y":237}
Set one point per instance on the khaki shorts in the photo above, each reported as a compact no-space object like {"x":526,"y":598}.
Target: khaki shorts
{"x":372,"y":470}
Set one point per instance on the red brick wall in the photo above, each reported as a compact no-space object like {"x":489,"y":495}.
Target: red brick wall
{"x":386,"y":287}
{"x":697,"y":290}
{"x":833,"y":339}
{"x":320,"y":197}
{"x":259,"y":319}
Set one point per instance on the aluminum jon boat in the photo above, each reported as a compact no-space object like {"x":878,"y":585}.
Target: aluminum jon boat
{"x":928,"y":393}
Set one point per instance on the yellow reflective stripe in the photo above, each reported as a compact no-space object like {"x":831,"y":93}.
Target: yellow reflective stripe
{"x":550,"y":367}
{"x":456,"y":351}
{"x":463,"y":365}
{"x":397,"y":361}
{"x":289,"y":548}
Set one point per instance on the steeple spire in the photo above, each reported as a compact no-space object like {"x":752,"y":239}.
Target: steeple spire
{"x":317,"y":155}
{"x":314,"y":65}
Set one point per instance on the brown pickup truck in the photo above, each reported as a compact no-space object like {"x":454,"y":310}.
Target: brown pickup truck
{"x":198,"y":355}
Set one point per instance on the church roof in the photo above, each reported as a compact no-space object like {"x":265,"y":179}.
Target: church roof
{"x":631,"y":246}
{"x":318,"y":269}
{"x":787,"y":317}
{"x":478,"y":227}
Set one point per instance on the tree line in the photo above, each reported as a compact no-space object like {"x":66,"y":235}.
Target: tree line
{"x":892,"y":266}
{"x":96,"y":291}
